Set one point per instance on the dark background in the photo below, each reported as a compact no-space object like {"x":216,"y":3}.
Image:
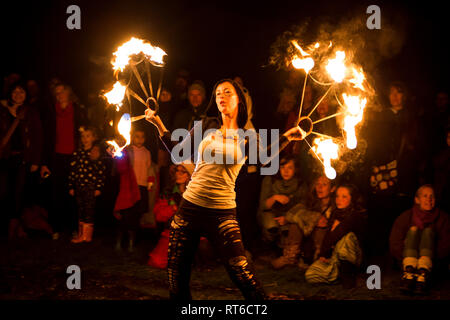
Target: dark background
{"x":219,"y":39}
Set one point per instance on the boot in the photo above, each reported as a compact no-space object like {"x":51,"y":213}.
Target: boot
{"x":289,"y":257}
{"x":408,"y":281}
{"x":80,"y":237}
{"x":131,"y":240}
{"x":422,"y":281}
{"x":88,"y":231}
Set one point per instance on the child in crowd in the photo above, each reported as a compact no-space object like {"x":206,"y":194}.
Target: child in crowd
{"x":340,"y":253}
{"x":307,"y":219}
{"x":165,"y":208}
{"x":143,"y":167}
{"x":136,"y":181}
{"x":278,"y":195}
{"x":420,"y":238}
{"x":86,"y":181}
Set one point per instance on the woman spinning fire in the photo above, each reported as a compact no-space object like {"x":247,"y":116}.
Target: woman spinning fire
{"x":208,"y":207}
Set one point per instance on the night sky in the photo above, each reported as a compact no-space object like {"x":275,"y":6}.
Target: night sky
{"x":218,"y":39}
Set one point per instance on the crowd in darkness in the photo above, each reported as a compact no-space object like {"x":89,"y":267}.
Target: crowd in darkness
{"x":391,"y":196}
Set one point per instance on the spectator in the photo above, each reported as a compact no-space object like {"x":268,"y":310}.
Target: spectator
{"x":278,"y":195}
{"x":165,"y":208}
{"x":341,"y":250}
{"x":64,"y":119}
{"x":196,"y":108}
{"x":144,"y":170}
{"x":181,"y":87}
{"x":420,"y":239}
{"x":9,"y":80}
{"x":307,"y":219}
{"x":86,"y":182}
{"x":392,"y":158}
{"x":126,"y":210}
{"x":20,"y":150}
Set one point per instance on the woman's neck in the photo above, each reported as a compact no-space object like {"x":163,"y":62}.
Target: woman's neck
{"x":229,"y":123}
{"x":324,"y":202}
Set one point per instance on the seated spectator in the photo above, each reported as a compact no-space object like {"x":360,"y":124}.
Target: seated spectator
{"x":278,"y":194}
{"x":307,"y":219}
{"x":165,"y":207}
{"x":420,"y":238}
{"x":341,"y":250}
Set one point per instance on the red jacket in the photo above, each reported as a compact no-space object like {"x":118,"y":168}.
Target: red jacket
{"x":129,"y":190}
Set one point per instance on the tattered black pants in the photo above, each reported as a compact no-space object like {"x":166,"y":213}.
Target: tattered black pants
{"x":221,"y":228}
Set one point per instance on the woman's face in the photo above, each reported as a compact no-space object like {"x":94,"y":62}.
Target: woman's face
{"x":395,"y":97}
{"x":287,"y":170}
{"x":227,"y":99}
{"x":343,"y":198}
{"x":323,"y":188}
{"x":426,"y":199}
{"x":61,"y":94}
{"x":18,"y":95}
{"x":181,"y":175}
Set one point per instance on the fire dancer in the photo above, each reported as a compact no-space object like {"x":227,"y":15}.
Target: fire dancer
{"x":208,"y":207}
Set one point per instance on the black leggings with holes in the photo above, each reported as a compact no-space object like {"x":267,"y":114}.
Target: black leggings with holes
{"x":221,"y":228}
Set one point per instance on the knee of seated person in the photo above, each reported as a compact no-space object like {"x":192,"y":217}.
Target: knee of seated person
{"x":413,"y":229}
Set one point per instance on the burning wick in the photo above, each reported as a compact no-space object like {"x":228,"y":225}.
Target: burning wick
{"x":124,"y":128}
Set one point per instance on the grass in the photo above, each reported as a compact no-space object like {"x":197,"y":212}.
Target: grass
{"x":35,"y":269}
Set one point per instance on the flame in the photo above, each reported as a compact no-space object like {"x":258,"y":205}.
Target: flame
{"x":305,"y":64}
{"x":355,"y":110}
{"x":328,"y":150}
{"x":302,"y":63}
{"x":303,"y":53}
{"x":124,"y":128}
{"x":336,"y":67}
{"x":136,"y":46}
{"x":358,"y":78}
{"x":116,"y":95}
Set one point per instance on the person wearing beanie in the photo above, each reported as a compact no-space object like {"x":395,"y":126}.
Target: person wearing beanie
{"x":420,"y":238}
{"x":208,"y":206}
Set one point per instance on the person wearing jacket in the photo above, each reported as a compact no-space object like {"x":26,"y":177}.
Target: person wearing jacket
{"x":20,"y":150}
{"x":341,"y":250}
{"x":420,"y":238}
{"x":61,"y":135}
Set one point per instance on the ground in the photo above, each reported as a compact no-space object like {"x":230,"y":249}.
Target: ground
{"x":35,"y":268}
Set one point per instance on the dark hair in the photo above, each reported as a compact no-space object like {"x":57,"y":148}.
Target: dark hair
{"x":401,"y":87}
{"x":312,"y":200}
{"x":242,"y":105}
{"x":285,"y":158}
{"x":357,"y":201}
{"x":13,"y":86}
